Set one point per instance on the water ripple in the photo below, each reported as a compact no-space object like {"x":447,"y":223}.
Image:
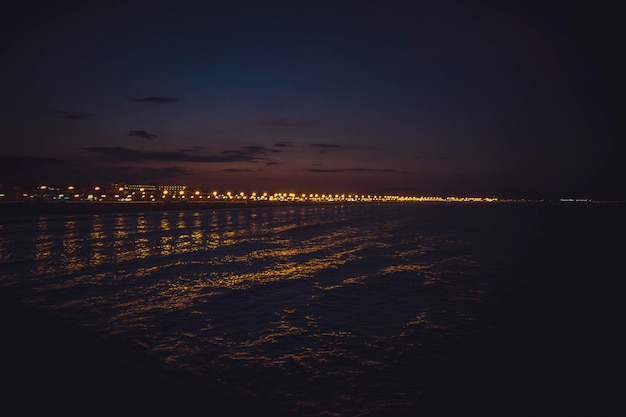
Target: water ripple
{"x":301,"y":304}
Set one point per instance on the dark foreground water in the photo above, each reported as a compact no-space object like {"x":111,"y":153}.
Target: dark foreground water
{"x":356,"y":310}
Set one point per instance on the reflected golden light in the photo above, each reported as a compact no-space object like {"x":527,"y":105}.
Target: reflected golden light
{"x":71,"y":245}
{"x":420,"y":319}
{"x":142,"y":246}
{"x":98,"y":250}
{"x":166,"y":246}
{"x":181,"y":221}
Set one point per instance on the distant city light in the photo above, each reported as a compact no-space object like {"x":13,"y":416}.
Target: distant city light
{"x":178,"y":194}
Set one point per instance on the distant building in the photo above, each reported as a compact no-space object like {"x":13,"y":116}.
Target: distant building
{"x":171,"y":187}
{"x":140,"y":187}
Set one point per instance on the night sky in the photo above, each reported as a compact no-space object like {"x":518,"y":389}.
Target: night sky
{"x":430,"y":98}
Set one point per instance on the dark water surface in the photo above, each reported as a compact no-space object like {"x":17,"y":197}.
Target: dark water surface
{"x":353,"y":310}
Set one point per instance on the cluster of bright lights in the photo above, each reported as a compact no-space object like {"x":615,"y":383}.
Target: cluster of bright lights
{"x":154,"y":193}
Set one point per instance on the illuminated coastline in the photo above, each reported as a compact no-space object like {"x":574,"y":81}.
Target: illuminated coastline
{"x":181,"y":193}
{"x":172,"y":193}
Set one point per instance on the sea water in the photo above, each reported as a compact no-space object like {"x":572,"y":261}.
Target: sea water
{"x":345,"y":310}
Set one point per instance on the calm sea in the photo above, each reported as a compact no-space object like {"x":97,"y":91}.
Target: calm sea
{"x":347,"y":310}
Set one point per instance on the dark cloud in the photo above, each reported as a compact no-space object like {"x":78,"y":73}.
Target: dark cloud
{"x":326,"y":147}
{"x":278,"y":145}
{"x":70,"y":115}
{"x":271,"y":163}
{"x":248,"y":150}
{"x":280,"y":123}
{"x":238,"y":170}
{"x":283,"y":144}
{"x":142,"y":134}
{"x":155,"y":99}
{"x":388,"y":171}
{"x":126,"y":154}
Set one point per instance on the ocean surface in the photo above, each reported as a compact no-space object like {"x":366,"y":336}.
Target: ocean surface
{"x":348,"y":310}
